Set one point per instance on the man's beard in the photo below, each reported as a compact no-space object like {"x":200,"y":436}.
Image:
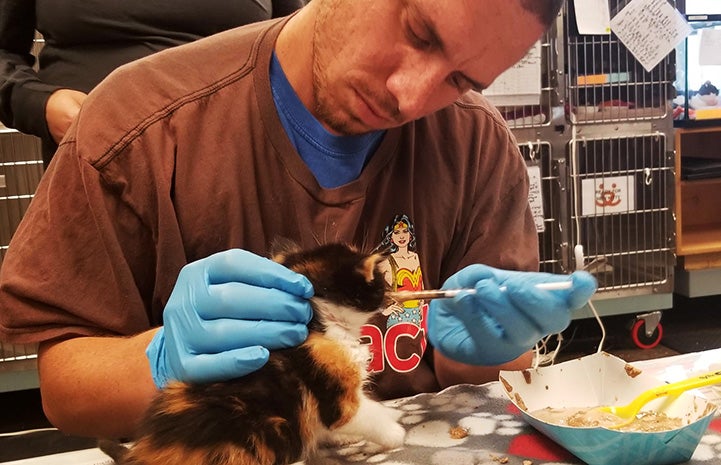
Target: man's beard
{"x":345,"y":123}
{"x":339,"y":122}
{"x":323,"y":106}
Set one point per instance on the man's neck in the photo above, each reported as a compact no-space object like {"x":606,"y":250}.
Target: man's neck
{"x":294,"y":49}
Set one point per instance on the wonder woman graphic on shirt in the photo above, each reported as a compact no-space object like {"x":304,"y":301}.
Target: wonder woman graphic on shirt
{"x":397,"y":341}
{"x":402,"y":270}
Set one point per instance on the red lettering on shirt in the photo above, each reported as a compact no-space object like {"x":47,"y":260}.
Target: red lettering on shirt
{"x":384,"y":348}
{"x":393,"y":337}
{"x":373,"y":337}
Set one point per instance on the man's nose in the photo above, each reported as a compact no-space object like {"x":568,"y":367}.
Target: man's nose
{"x":415,"y":85}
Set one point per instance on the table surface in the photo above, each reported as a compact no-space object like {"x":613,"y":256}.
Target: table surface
{"x":496,"y":431}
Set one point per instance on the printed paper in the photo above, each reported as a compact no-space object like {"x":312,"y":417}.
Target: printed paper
{"x":604,"y":196}
{"x":650,"y":30}
{"x":519,"y":85}
{"x":535,"y":197}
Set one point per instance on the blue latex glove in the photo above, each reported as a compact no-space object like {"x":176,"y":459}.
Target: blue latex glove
{"x":494,"y":326}
{"x":224,"y":315}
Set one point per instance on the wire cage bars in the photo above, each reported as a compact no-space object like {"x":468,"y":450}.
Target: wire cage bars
{"x":21,"y":167}
{"x":16,"y":352}
{"x":540,"y":113}
{"x":605,"y":83}
{"x":546,"y":176}
{"x":622,"y":197}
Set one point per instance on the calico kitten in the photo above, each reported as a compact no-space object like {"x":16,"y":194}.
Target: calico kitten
{"x":278,"y":414}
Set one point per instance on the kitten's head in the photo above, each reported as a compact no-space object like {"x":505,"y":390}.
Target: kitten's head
{"x":349,"y":285}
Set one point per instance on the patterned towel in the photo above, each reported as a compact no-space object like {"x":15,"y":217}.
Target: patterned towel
{"x":494,"y":433}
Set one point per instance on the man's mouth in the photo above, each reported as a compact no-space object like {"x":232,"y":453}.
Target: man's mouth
{"x":373,"y":113}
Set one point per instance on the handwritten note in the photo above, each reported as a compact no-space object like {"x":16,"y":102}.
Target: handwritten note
{"x":709,"y":54}
{"x":592,"y":16}
{"x":650,"y":30}
{"x":535,"y":196}
{"x":520,"y":84}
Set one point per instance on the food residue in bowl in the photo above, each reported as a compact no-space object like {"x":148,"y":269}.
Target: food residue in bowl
{"x":592,"y":417}
{"x":631,"y":370}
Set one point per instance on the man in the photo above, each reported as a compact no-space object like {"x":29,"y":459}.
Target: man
{"x":182,"y":169}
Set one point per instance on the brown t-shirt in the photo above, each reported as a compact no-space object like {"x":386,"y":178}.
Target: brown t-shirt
{"x":182,"y":154}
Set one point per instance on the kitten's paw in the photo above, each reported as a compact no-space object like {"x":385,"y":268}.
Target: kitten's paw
{"x":393,"y":436}
{"x":390,"y":412}
{"x":333,"y":439}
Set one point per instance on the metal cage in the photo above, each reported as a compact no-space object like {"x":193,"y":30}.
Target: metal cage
{"x":622,"y":197}
{"x":605,"y":83}
{"x":540,"y":114}
{"x":21,"y":167}
{"x":16,"y":352}
{"x":547,"y":181}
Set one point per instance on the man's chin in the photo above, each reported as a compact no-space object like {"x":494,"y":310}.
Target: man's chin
{"x":348,"y":128}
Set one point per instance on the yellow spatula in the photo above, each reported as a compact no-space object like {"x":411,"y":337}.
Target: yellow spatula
{"x":627,"y":413}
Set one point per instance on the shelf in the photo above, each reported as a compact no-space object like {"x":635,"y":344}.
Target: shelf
{"x":696,"y":123}
{"x":698,"y":218}
{"x":700,"y":239}
{"x":695,"y":183}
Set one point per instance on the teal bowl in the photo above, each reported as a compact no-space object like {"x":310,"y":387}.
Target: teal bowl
{"x":602,"y":379}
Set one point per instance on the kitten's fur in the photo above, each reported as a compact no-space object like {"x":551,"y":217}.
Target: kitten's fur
{"x":278,"y":414}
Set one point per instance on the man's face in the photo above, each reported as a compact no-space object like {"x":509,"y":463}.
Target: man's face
{"x":380,"y":63}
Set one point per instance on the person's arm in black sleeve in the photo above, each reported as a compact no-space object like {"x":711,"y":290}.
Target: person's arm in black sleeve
{"x":22,"y":95}
{"x":286,"y":7}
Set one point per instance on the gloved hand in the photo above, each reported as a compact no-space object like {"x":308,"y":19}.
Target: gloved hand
{"x":225,"y":313}
{"x":494,"y":326}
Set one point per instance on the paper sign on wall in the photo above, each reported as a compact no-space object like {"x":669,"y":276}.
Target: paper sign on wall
{"x":650,"y":30}
{"x":592,"y":16}
{"x":604,"y":196}
{"x":535,"y":196}
{"x":520,"y":84}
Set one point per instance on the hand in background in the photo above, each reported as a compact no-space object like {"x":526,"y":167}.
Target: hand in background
{"x":224,"y":315}
{"x":61,"y":109}
{"x":494,"y":326}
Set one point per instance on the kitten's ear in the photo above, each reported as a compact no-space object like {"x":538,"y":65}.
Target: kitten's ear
{"x":281,"y":248}
{"x":368,"y":266}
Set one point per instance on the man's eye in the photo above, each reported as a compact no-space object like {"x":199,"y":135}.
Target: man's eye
{"x":417,"y":41}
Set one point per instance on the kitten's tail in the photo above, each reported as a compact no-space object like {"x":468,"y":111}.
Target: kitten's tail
{"x":115,"y":449}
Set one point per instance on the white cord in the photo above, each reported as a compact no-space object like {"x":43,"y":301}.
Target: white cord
{"x":21,"y":433}
{"x":578,"y":250}
{"x":600,"y":323}
{"x":541,"y":357}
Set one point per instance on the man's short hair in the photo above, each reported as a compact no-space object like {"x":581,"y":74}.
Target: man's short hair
{"x":545,"y":10}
